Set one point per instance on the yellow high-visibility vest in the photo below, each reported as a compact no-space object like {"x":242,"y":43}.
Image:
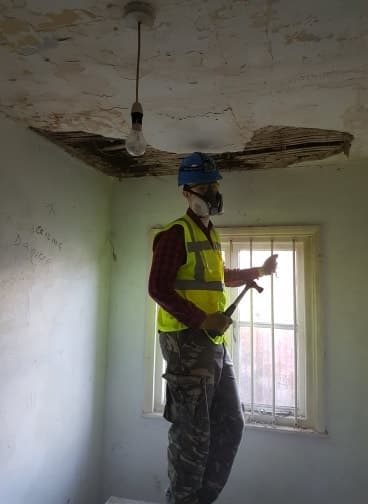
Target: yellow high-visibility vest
{"x":201,"y":278}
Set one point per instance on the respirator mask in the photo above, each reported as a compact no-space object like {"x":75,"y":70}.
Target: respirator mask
{"x":208,"y":203}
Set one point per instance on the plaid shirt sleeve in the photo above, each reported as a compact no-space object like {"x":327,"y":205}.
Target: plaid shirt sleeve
{"x":168,"y":255}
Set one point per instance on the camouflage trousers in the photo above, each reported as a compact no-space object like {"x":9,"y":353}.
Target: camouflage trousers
{"x":202,"y":403}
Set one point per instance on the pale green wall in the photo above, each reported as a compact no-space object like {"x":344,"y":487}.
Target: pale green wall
{"x":53,"y":321}
{"x":271,"y":467}
{"x":53,"y":331}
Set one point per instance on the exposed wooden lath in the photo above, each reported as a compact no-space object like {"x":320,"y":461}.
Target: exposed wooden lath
{"x":270,"y":147}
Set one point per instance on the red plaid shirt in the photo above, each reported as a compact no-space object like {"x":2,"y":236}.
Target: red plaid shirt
{"x":168,"y":255}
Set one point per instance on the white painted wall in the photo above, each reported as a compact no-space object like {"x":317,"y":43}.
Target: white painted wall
{"x":54,"y":276}
{"x":271,"y":467}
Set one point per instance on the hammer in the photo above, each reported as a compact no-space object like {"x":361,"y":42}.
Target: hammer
{"x":230,"y":309}
{"x":250,"y":285}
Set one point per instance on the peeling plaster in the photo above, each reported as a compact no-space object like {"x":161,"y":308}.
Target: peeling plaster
{"x":303,"y":36}
{"x":272,"y":61}
{"x":264,"y":20}
{"x":106,"y":118}
{"x":69,"y":68}
{"x":65,"y":18}
{"x":12,"y":26}
{"x":270,"y":147}
{"x":356,"y":118}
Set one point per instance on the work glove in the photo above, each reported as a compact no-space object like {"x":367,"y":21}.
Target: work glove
{"x":216,"y":322}
{"x":270,"y":265}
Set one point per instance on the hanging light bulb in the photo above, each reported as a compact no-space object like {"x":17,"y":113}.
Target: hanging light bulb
{"x":137,"y":13}
{"x":135,"y":143}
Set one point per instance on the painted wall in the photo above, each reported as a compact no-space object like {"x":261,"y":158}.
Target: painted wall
{"x":54,"y":276}
{"x":271,"y":467}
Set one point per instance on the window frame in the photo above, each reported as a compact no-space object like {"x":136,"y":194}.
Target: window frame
{"x":309,"y":235}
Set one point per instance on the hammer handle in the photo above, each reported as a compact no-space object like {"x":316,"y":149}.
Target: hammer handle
{"x":250,"y":285}
{"x":230,"y":309}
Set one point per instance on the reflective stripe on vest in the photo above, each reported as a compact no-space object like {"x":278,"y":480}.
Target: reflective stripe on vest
{"x":198,"y":285}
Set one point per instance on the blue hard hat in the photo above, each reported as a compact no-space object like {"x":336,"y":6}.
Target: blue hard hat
{"x":198,"y":168}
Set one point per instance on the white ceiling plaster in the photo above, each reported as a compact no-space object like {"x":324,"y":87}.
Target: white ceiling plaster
{"x":212,"y":72}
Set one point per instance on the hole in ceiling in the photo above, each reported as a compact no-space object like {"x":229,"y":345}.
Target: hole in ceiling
{"x":270,"y":147}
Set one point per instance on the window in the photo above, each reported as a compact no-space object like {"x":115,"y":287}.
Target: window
{"x":275,"y":340}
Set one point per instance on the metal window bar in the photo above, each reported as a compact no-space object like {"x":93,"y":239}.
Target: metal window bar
{"x":295,"y":338}
{"x":251,"y":337}
{"x":273,"y":347}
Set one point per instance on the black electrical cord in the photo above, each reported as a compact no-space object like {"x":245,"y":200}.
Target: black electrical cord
{"x":138,"y":61}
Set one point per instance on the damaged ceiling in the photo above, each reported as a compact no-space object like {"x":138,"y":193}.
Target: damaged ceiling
{"x":272,"y":147}
{"x":260,"y":83}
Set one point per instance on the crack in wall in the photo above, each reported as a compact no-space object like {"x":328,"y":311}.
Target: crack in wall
{"x":268,"y":23}
{"x":195,"y":116}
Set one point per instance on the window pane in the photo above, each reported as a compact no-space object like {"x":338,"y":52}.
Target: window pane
{"x":283,"y":288}
{"x":243,"y":307}
{"x":244,"y":258}
{"x":284,"y":368}
{"x":282,"y":281}
{"x":262,"y":367}
{"x":261,"y":302}
{"x":245,"y":359}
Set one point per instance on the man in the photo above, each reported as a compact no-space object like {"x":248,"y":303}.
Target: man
{"x":187,"y":281}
